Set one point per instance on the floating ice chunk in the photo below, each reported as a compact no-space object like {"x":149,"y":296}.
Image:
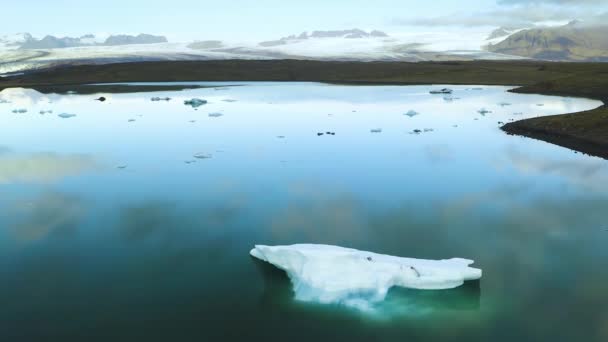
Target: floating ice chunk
{"x":20,"y":111}
{"x":203,"y":156}
{"x":504,"y":104}
{"x":229,"y":100}
{"x":195,"y":103}
{"x":426,"y":130}
{"x":484,"y":111}
{"x":412,"y":113}
{"x":215,"y":115}
{"x":131,"y":120}
{"x":540,"y":104}
{"x":4,"y":101}
{"x":376,"y":130}
{"x":66,"y":115}
{"x":42,"y":112}
{"x":156,"y":99}
{"x":337,"y":275}
{"x":442,"y":91}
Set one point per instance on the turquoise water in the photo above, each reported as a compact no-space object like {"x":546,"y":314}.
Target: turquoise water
{"x":111,"y":229}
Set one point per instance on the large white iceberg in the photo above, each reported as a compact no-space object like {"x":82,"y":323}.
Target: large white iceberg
{"x":337,"y":275}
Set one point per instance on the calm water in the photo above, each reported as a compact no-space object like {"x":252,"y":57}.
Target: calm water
{"x":111,"y":230}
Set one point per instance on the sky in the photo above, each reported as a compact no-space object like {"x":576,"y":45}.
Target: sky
{"x":182,"y":20}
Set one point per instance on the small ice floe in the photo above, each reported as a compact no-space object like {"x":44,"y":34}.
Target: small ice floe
{"x":540,"y":104}
{"x":66,"y":115}
{"x":330,"y":133}
{"x":484,"y":111}
{"x":4,"y":101}
{"x":101,"y":99}
{"x":195,"y":103}
{"x":121,"y":167}
{"x":455,"y":126}
{"x":157,"y":99}
{"x":358,"y":279}
{"x":221,"y":88}
{"x":416,"y":131}
{"x":412,"y":113}
{"x":229,"y":100}
{"x":192,"y":121}
{"x":442,"y":91}
{"x":448,"y":98}
{"x":203,"y":156}
{"x":280,"y":137}
{"x":131,"y":120}
{"x":504,"y":104}
{"x":376,"y":130}
{"x":20,"y":111}
{"x":426,"y":130}
{"x":320,"y":134}
{"x":215,"y":115}
{"x":518,"y":113}
{"x":190,"y":161}
{"x":475,"y":88}
{"x":42,"y":112}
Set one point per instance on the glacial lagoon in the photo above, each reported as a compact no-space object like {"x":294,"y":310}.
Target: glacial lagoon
{"x":135,"y":217}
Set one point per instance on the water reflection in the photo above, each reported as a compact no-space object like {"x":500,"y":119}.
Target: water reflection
{"x":158,"y":250}
{"x":41,"y":167}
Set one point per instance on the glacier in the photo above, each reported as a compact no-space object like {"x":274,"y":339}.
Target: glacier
{"x":336,"y":275}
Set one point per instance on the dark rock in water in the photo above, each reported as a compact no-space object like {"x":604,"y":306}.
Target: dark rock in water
{"x":417,"y":131}
{"x":101,"y":99}
{"x":320,"y":134}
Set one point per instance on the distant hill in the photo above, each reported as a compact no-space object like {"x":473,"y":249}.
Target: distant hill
{"x":130,"y":40}
{"x":347,"y":34}
{"x":501,"y":32}
{"x":572,"y":42}
{"x":27,"y":42}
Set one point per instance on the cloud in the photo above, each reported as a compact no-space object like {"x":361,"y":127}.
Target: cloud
{"x":518,"y":13}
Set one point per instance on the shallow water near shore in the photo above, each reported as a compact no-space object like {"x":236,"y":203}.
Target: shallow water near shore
{"x":133,"y":219}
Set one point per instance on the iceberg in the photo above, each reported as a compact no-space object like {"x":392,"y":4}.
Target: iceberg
{"x":336,"y":275}
{"x":195,"y":103}
{"x":412,"y":113}
{"x":66,"y":115}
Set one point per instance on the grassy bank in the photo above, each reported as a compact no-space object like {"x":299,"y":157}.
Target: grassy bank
{"x":586,"y":132}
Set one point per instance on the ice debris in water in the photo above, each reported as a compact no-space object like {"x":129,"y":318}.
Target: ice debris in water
{"x":66,"y":115}
{"x":215,"y":115}
{"x":412,"y":113}
{"x":229,"y":100}
{"x":203,"y":156}
{"x":20,"y":111}
{"x":376,"y":130}
{"x":42,"y":112}
{"x":504,"y":104}
{"x":156,"y":99}
{"x":336,"y":275}
{"x":4,"y":101}
{"x":195,"y":103}
{"x":484,"y":111}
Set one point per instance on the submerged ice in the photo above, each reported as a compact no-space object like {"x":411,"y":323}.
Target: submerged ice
{"x":337,"y":275}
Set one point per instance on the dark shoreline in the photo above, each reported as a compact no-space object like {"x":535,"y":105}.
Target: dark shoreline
{"x":585,"y":132}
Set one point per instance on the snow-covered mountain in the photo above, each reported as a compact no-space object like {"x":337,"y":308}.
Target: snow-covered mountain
{"x":23,"y":52}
